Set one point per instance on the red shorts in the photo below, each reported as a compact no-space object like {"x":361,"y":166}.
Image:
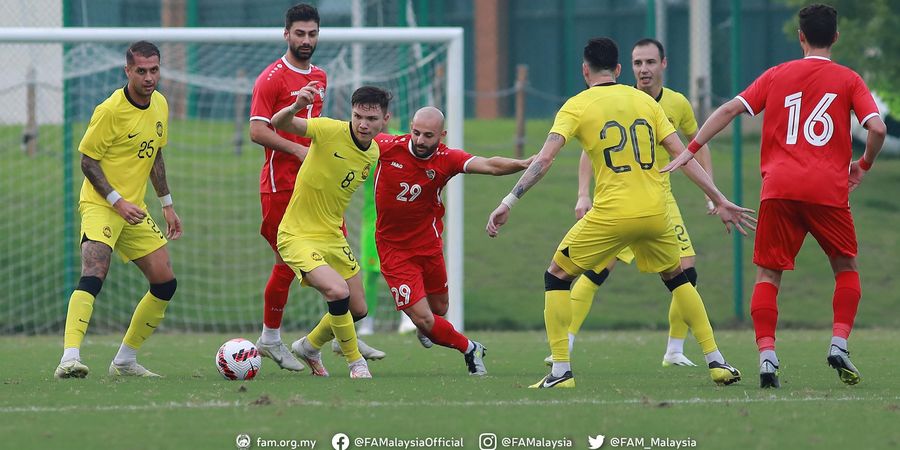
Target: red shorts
{"x":274,"y":204}
{"x":783,"y":225}
{"x":413,"y":273}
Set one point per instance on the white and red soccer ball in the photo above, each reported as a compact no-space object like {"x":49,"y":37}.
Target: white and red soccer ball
{"x":238,"y":359}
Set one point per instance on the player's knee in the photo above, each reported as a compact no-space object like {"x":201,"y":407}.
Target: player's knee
{"x":554,"y":283}
{"x":91,"y":285}
{"x":691,"y":274}
{"x":676,"y":281}
{"x":339,"y":307}
{"x":164,"y":291}
{"x":336,"y":292}
{"x":597,"y":278}
{"x":423,"y":322}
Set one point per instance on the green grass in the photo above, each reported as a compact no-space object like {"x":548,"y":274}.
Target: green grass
{"x":622,"y":391}
{"x":222,"y":263}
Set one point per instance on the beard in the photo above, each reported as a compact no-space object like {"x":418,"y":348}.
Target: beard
{"x":424,"y":152}
{"x":303,"y":53}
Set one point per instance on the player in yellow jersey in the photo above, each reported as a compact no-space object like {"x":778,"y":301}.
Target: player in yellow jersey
{"x":121,"y":149}
{"x":620,"y":128}
{"x":648,"y":61}
{"x":342,"y":156}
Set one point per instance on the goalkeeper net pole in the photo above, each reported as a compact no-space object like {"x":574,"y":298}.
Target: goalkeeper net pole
{"x":57,"y":76}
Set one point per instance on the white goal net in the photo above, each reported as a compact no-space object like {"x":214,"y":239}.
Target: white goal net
{"x":57,"y":76}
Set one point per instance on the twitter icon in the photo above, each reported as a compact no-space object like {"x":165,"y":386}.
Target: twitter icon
{"x":595,"y":442}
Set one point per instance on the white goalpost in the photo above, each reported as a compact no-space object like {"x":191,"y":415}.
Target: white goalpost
{"x":207,"y":76}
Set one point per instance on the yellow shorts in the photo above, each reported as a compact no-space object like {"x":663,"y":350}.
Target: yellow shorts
{"x":304,"y":254}
{"x":104,"y":224}
{"x":684,"y":239}
{"x":594,"y":241}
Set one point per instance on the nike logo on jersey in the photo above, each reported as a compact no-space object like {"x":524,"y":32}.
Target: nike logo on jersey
{"x":148,"y":324}
{"x":396,"y":164}
{"x":133,"y":135}
{"x":82,"y":321}
{"x":336,"y":155}
{"x":347,"y":340}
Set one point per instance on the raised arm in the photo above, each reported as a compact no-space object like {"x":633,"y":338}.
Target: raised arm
{"x":286,"y":118}
{"x":539,"y":167}
{"x":497,"y":165}
{"x":731,"y":214}
{"x":717,"y":121}
{"x":261,"y":134}
{"x":161,"y":185}
{"x":94,"y":174}
{"x":585,"y":173}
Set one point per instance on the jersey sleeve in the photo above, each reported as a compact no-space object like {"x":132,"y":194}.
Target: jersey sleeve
{"x":687,"y":123}
{"x":98,"y":137}
{"x":862,"y":102}
{"x":265,"y":94}
{"x":754,"y":97}
{"x":567,"y":120}
{"x":320,"y":128}
{"x":661,"y":123}
{"x":459,"y":159}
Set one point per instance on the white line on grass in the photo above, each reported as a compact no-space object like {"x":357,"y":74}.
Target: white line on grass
{"x":524,"y":402}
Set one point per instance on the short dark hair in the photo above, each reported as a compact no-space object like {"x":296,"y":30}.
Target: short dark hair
{"x":371,"y":96}
{"x":818,"y":23}
{"x":601,"y":54}
{"x":143,"y":48}
{"x":300,"y":12}
{"x":651,"y":41}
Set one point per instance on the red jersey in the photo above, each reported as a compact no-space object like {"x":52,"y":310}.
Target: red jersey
{"x":805,"y":147}
{"x":275,"y":88}
{"x":408,"y":191}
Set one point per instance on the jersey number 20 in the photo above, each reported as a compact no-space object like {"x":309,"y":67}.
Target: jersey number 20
{"x":608,"y":151}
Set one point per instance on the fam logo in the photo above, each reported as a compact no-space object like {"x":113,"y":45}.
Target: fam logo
{"x":159,"y":128}
{"x":430,"y":174}
{"x":365,"y":171}
{"x":242,"y":441}
{"x":107,"y":231}
{"x":316,"y":256}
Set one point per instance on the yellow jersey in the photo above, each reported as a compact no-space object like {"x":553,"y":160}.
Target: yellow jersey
{"x":620,"y":128}
{"x":333,"y":169}
{"x":680,"y":114}
{"x":125,"y":138}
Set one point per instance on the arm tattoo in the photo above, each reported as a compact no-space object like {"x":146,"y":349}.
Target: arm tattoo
{"x":536,"y":170}
{"x":92,"y":171}
{"x":158,"y":175}
{"x":532,"y":175}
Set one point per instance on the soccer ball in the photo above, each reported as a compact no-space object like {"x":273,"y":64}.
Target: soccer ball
{"x":238,"y":359}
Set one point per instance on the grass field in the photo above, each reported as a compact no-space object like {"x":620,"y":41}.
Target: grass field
{"x":622,"y":392}
{"x":222,"y":263}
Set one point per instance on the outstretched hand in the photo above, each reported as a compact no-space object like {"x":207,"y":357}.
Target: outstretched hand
{"x":680,"y":160}
{"x":497,"y":219}
{"x":736,"y":216}
{"x":306,"y":95}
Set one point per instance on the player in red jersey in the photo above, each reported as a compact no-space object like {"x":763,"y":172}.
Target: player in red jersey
{"x":412,"y":171}
{"x":275,"y":88}
{"x":807,"y":176}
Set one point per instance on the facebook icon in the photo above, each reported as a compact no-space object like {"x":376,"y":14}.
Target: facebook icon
{"x":340,"y":441}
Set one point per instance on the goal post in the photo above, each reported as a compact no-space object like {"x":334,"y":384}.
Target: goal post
{"x":91,"y":61}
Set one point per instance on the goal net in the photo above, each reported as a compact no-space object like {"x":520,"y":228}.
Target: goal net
{"x":222,"y":263}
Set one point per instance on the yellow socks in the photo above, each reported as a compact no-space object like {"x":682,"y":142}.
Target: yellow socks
{"x":557,"y":317}
{"x":688,"y":302}
{"x":322,"y":333}
{"x":345,"y":332}
{"x":147,"y":316}
{"x":81,"y":305}
{"x":582,"y":297}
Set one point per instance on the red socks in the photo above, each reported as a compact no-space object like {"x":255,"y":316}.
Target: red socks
{"x":764,"y":310}
{"x":845,"y":302}
{"x":443,"y":333}
{"x":276,"y":294}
